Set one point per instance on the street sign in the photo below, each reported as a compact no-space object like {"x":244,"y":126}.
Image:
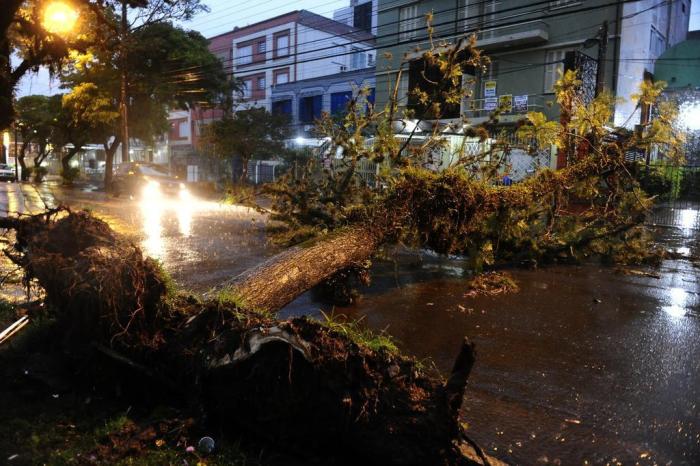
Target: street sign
{"x":520,"y":103}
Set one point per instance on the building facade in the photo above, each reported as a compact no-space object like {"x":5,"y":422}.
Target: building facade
{"x":530,"y":44}
{"x":304,"y":101}
{"x":298,"y":46}
{"x":361,"y":14}
{"x":268,"y":56}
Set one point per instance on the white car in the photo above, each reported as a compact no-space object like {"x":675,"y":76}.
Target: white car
{"x":7,"y":173}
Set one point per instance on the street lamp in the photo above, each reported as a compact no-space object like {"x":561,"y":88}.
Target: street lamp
{"x":59,"y":17}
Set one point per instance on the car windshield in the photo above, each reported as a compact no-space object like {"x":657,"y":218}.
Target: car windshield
{"x":153,"y":170}
{"x":5,"y":167}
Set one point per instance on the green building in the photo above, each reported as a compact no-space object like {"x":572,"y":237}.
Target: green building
{"x":530,"y":42}
{"x":679,"y":66}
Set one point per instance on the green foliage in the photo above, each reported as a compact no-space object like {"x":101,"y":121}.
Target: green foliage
{"x":356,"y":332}
{"x":452,"y":202}
{"x":70,"y":174}
{"x":249,"y":134}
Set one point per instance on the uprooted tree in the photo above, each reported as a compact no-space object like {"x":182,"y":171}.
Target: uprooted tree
{"x":299,"y":382}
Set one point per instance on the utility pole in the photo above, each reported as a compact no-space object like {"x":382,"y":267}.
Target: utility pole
{"x":602,"y":52}
{"x":123,"y":85}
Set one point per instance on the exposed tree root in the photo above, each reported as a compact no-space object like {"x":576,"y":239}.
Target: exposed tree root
{"x":296,"y":383}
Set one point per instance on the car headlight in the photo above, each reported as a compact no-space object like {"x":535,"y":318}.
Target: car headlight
{"x":151,"y":190}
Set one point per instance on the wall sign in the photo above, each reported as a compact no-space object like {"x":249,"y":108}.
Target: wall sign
{"x":491,"y":103}
{"x":490,"y":89}
{"x":505,"y":102}
{"x":520,"y":103}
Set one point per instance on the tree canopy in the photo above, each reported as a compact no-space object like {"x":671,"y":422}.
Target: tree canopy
{"x":249,"y":134}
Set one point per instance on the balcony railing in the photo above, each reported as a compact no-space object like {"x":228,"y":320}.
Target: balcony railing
{"x":482,"y":108}
{"x":528,"y":33}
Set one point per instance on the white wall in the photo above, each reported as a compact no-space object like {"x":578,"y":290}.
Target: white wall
{"x":331,"y":50}
{"x":269,"y":65}
{"x":636,"y":55}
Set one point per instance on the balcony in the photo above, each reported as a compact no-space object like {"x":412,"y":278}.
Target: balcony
{"x":516,"y":35}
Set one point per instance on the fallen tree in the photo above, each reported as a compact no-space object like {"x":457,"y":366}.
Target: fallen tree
{"x":298,"y":384}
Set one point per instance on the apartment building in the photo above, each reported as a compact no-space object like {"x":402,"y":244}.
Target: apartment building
{"x":530,"y":43}
{"x":361,"y":14}
{"x":294,"y":47}
{"x":304,"y":101}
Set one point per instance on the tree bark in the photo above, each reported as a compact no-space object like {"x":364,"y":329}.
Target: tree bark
{"x":20,"y":160}
{"x":110,"y":150}
{"x":276,"y":282}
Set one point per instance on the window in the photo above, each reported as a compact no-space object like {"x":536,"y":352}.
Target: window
{"x":247,"y":88}
{"x":280,"y":76}
{"x":656,"y":43}
{"x":358,"y":59}
{"x":183,"y":129}
{"x":362,"y":16}
{"x":408,"y":22}
{"x":339,"y":101}
{"x":261,"y":46}
{"x":244,"y":55}
{"x":310,"y":108}
{"x":463,"y":13}
{"x":554,"y":67}
{"x":261,"y":83}
{"x":282,"y":107}
{"x":282,"y":45}
{"x":371,"y":96}
{"x":489,"y":20}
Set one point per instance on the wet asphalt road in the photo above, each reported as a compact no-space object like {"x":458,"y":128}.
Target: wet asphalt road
{"x":200,"y":242}
{"x":585,"y":365}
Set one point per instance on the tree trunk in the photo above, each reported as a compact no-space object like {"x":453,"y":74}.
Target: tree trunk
{"x":39,"y":159}
{"x":65,"y":162}
{"x":279,"y":280}
{"x":244,"y":170}
{"x":110,"y":150}
{"x":20,"y":160}
{"x":7,"y":85}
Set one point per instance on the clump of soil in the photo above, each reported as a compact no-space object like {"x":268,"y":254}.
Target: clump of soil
{"x":491,"y":284}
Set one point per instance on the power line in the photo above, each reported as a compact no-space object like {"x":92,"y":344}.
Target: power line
{"x":318,"y":22}
{"x":450,"y":22}
{"x":413,"y":41}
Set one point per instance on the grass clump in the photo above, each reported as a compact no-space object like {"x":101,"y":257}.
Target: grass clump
{"x":491,"y":284}
{"x":168,"y":281}
{"x":357,"y":333}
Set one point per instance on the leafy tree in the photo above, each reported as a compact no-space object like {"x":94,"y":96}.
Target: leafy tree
{"x":249,"y":134}
{"x":158,"y":54}
{"x":22,"y":34}
{"x":86,"y":116}
{"x":36,"y":121}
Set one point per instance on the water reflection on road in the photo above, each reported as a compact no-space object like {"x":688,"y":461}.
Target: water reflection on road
{"x":583,"y":366}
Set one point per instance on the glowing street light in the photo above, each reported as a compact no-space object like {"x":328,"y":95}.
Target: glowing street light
{"x":60,"y":17}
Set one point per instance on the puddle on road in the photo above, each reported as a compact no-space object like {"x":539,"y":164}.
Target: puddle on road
{"x":583,"y":364}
